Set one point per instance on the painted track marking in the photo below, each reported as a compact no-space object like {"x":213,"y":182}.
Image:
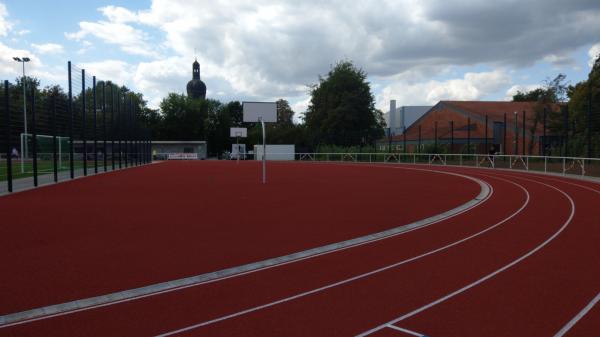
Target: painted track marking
{"x":393,"y":327}
{"x":91,"y":303}
{"x":357,"y":277}
{"x":578,"y":317}
{"x":489,"y":276}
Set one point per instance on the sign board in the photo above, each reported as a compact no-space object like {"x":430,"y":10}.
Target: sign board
{"x":182,"y":156}
{"x":253,"y":111}
{"x":238,"y":132}
{"x":276,"y":152}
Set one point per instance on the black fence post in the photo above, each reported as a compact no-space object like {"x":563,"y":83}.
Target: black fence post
{"x":113,"y":127}
{"x":9,"y":179}
{"x":54,"y":155}
{"x":589,"y":120}
{"x":524,"y":136}
{"x":34,"y":138}
{"x":104,"y":124}
{"x":71,"y":121}
{"x":120,"y":128}
{"x":83,"y":122}
{"x":95,"y":133}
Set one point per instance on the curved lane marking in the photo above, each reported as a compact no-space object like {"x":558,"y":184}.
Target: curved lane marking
{"x":489,"y":276}
{"x":71,"y":307}
{"x":357,"y":277}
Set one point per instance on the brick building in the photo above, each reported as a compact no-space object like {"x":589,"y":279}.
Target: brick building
{"x":456,"y":124}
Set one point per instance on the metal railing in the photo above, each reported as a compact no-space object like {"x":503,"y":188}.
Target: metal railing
{"x":589,"y":167}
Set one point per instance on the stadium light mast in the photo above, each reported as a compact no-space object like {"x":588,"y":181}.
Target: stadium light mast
{"x":23,"y":61}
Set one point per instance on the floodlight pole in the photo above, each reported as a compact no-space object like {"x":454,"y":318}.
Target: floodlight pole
{"x":23,"y":60}
{"x":264,"y":154}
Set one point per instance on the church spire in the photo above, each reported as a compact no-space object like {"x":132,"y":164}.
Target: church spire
{"x":196,"y":70}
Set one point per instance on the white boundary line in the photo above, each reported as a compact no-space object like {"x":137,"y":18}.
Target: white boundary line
{"x":357,"y":277}
{"x":578,"y":317}
{"x":393,"y":327}
{"x":489,"y":276}
{"x":67,"y":308}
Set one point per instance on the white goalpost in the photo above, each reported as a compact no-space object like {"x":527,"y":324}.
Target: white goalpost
{"x":45,"y":146}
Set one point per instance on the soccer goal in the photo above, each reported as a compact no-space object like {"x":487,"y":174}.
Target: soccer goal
{"x":45,"y":152}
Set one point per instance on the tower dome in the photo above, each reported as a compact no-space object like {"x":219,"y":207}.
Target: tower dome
{"x":196,"y":88}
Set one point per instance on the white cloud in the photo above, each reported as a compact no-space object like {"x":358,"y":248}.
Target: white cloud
{"x":520,"y":88}
{"x":118,"y":14}
{"x":5,"y":25}
{"x":35,"y":67}
{"x":473,"y":86}
{"x":48,"y":48}
{"x":129,"y":39}
{"x":593,"y":53}
{"x":119,"y":72}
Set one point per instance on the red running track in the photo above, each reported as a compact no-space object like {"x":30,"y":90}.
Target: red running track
{"x":547,"y":225}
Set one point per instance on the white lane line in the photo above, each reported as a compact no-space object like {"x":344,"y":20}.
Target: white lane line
{"x":391,"y":326}
{"x":357,"y":277}
{"x":68,"y":308}
{"x":578,"y":317}
{"x":489,"y":276}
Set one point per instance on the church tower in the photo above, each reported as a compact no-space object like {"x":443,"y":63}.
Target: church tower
{"x":196,"y":89}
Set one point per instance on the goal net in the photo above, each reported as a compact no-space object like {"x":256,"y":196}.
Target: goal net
{"x":45,"y":152}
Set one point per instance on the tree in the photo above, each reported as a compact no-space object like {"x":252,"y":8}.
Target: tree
{"x":342,"y":108}
{"x":285,"y":114}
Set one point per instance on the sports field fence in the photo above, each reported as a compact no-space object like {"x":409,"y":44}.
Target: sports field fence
{"x":54,"y":133}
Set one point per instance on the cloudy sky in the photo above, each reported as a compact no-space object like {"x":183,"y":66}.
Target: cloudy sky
{"x":414,"y":51}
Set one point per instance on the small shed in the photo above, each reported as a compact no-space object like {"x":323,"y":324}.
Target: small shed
{"x":178,"y":149}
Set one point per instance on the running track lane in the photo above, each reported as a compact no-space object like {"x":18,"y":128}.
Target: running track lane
{"x":291,"y":328}
{"x":182,"y":308}
{"x":535,"y":297}
{"x":157,"y":223}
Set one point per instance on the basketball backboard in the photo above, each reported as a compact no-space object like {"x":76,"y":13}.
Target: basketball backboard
{"x":238,"y":132}
{"x":254,"y":111}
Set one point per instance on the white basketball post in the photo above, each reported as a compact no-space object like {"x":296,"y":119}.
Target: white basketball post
{"x":263,"y":112}
{"x":237,"y":133}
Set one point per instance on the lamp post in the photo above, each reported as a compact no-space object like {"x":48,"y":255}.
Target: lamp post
{"x":23,"y":61}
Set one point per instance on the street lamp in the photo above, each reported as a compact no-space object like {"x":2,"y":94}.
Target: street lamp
{"x":23,"y":61}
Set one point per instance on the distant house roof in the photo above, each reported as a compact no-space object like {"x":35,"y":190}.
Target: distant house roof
{"x":477,"y":111}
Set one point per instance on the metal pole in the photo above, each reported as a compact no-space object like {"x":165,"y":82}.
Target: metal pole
{"x":71,"y":121}
{"x":120,"y":128}
{"x":95,"y":126}
{"x":26,"y":152}
{"x":566,"y":130}
{"x":54,"y":156}
{"x":112,"y":127}
{"x":104,"y":121}
{"x":524,"y":136}
{"x":34,"y":138}
{"x":504,"y":149}
{"x":516,"y":152}
{"x":83,"y":122}
{"x":264,"y":155}
{"x":8,"y":129}
{"x":589,"y":120}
